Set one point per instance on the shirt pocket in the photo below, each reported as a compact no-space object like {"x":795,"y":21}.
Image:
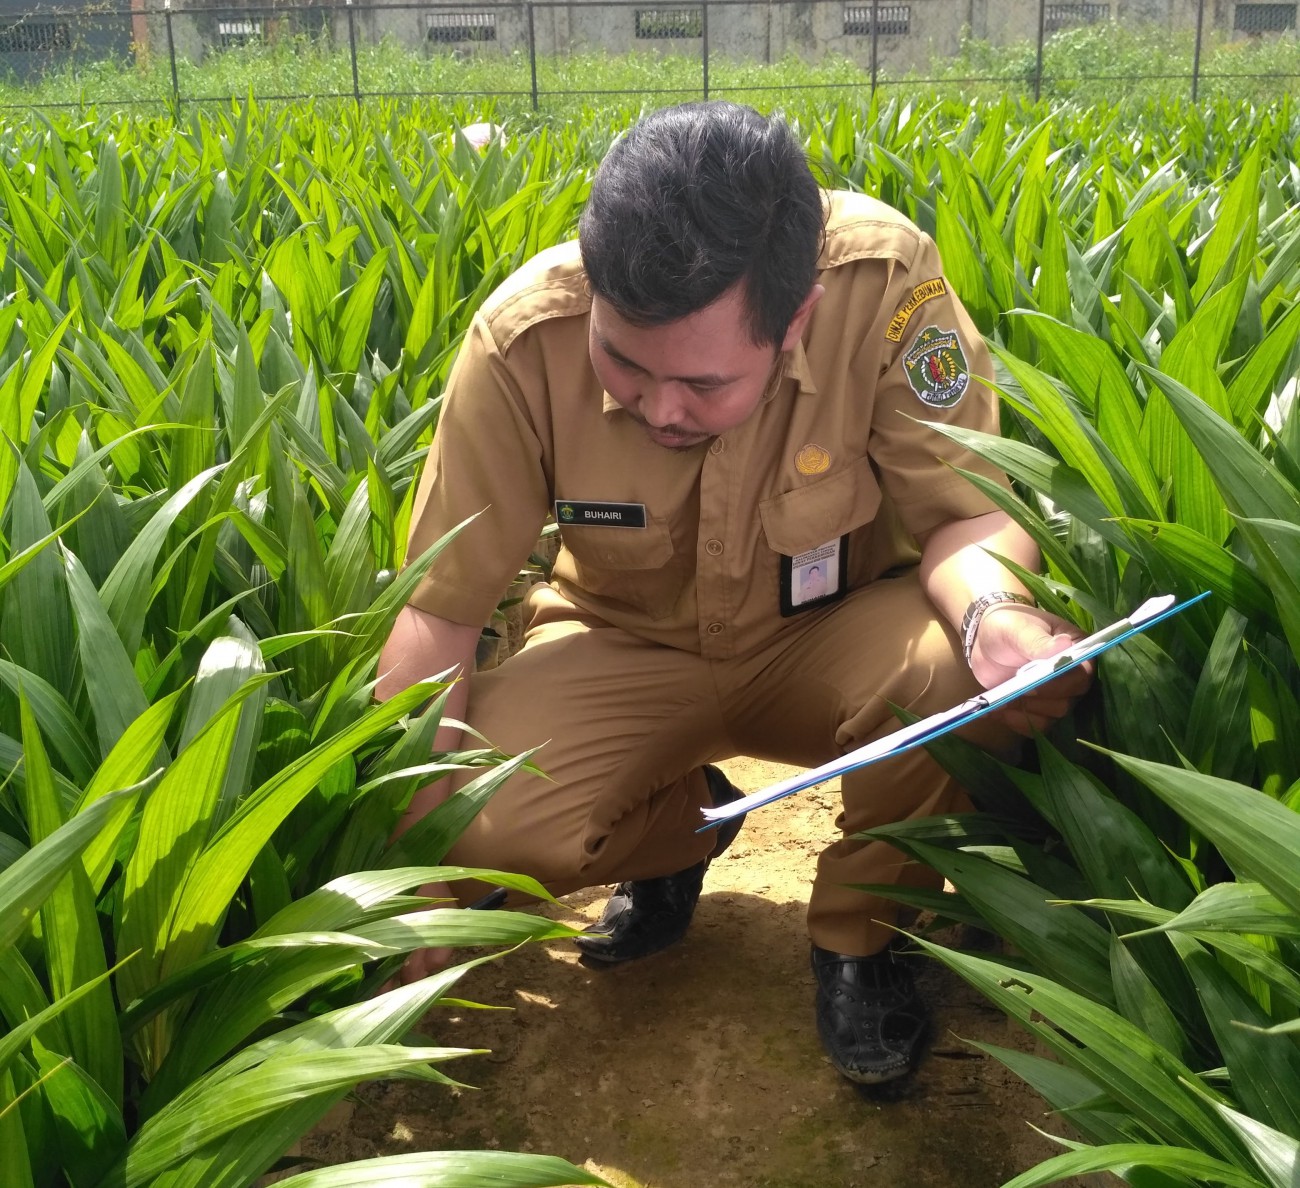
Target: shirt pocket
{"x":823,"y":511}
{"x":629,"y":569}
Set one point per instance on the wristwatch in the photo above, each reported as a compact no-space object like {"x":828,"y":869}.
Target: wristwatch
{"x":979,"y":607}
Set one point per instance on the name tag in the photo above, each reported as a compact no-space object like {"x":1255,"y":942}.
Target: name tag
{"x":815,"y":578}
{"x":608,"y":515}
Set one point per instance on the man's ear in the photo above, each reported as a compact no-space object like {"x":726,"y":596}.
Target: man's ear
{"x":799,"y":322}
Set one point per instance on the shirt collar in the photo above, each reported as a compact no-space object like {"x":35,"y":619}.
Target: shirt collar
{"x":793,"y":365}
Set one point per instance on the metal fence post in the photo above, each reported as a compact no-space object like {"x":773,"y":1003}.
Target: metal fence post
{"x":352,"y":48}
{"x":875,"y":43}
{"x":704,"y":44}
{"x":171,"y":54}
{"x":532,"y":51}
{"x":1038,"y":65}
{"x":1196,"y":54}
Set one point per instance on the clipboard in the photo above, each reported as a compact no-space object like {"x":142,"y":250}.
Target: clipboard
{"x":1030,"y":676}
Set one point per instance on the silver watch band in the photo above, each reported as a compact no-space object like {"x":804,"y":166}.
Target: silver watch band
{"x":975,"y":612}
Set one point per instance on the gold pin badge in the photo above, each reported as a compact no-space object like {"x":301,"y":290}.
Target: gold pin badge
{"x":811,"y":459}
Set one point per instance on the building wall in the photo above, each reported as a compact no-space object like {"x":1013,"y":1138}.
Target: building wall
{"x":38,"y":37}
{"x":756,"y":32}
{"x":766,"y":32}
{"x":198,"y":28}
{"x":412,"y":26}
{"x":1005,"y":21}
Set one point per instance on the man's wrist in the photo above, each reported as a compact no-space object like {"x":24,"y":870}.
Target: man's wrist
{"x":978,"y":608}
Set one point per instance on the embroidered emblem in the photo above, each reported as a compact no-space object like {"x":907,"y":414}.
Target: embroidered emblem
{"x":566,"y":513}
{"x":920,"y":295}
{"x":811,"y":459}
{"x":936,"y":367}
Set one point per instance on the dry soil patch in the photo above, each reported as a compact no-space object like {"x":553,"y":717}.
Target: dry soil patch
{"x":700,"y":1067}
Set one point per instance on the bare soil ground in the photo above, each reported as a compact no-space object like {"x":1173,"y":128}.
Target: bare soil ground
{"x":700,"y":1067}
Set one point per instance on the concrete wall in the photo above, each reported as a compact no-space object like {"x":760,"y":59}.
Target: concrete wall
{"x":756,"y":32}
{"x":411,"y":27}
{"x":38,"y":37}
{"x":815,"y":30}
{"x":811,"y":29}
{"x":1005,"y":21}
{"x":196,"y":33}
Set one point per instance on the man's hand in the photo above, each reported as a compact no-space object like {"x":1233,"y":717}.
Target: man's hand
{"x":1009,"y":636}
{"x":423,"y":962}
{"x":422,"y":644}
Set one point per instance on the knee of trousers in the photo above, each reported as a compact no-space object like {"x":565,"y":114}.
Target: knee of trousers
{"x":939,"y":670}
{"x":492,"y":844}
{"x":932,"y":675}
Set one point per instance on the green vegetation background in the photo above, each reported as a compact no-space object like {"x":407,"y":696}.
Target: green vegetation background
{"x":223,"y":340}
{"x":1084,"y":65}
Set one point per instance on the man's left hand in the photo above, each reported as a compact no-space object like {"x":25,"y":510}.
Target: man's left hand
{"x":1011,"y":635}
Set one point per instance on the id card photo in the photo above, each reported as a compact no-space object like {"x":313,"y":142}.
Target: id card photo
{"x":812,"y":578}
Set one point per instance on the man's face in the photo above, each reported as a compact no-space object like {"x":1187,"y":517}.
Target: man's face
{"x":689,"y":380}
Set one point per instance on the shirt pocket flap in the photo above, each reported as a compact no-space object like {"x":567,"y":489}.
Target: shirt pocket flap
{"x":600,"y":547}
{"x":810,"y":516}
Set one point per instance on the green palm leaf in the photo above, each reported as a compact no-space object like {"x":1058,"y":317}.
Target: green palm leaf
{"x":1126,"y":1158}
{"x":87,"y":1121}
{"x":213,"y":879}
{"x":1277,"y":1154}
{"x":1143,"y":1078}
{"x":1252,"y":489}
{"x":451,"y":1169}
{"x":246,"y":1100}
{"x":1264,"y":1073}
{"x":74,"y":950}
{"x":1259,"y":837}
{"x":111,"y":684}
{"x":27,"y":883}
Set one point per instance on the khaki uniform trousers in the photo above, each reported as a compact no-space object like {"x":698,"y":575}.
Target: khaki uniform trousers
{"x":630,"y":723}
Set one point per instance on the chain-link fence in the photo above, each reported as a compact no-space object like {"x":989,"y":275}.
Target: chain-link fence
{"x":533,"y":51}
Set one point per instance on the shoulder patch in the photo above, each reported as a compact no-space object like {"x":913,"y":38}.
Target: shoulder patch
{"x":923,"y":292}
{"x":936,"y":367}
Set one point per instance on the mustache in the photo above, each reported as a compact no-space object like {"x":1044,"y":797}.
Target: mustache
{"x":666,"y":430}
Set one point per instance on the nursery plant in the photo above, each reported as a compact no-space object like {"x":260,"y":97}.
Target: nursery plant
{"x":222,"y":347}
{"x":220,"y":352}
{"x":1146,"y":883}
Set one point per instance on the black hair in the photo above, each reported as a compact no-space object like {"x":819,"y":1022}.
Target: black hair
{"x":695,"y":199}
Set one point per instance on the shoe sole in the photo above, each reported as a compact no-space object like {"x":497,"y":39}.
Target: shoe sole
{"x":885,"y":1076}
{"x":864,"y":1078}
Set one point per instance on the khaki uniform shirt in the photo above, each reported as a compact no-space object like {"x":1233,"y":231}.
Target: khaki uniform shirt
{"x":835,"y":451}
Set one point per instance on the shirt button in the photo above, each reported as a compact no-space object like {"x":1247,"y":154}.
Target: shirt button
{"x":714,"y":548}
{"x":718,"y":446}
{"x":716,"y":629}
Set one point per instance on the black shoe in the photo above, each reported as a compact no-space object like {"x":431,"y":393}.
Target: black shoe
{"x":646,"y":915}
{"x":870,"y":1018}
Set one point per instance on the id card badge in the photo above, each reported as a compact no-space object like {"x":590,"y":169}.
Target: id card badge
{"x":815,"y":578}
